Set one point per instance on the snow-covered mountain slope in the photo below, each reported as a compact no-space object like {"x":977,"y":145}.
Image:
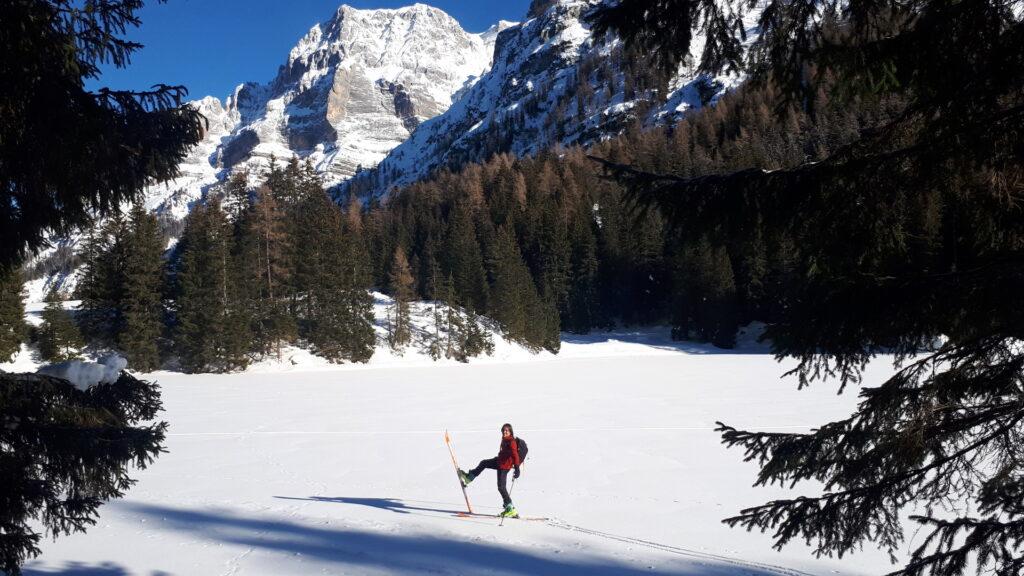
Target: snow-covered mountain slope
{"x":353,"y":88}
{"x":551,"y":83}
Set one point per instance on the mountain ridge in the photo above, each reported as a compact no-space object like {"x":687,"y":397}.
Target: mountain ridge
{"x":352,"y":88}
{"x":552,"y":83}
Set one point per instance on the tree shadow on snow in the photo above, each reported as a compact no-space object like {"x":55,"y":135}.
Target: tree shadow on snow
{"x":392,"y":504}
{"x":407,"y":553}
{"x":661,"y":340}
{"x":83,"y":569}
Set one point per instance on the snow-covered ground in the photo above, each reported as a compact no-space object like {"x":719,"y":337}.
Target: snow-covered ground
{"x":334,"y":470}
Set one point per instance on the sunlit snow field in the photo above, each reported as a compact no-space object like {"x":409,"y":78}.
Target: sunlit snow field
{"x":301,"y":468}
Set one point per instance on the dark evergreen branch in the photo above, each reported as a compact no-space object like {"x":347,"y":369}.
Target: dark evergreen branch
{"x":161,"y":97}
{"x":861,"y":506}
{"x":66,"y":452}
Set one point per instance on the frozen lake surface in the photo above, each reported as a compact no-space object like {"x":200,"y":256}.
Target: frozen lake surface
{"x":312,"y":469}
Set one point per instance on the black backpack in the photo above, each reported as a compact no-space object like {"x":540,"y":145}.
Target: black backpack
{"x":523,"y":449}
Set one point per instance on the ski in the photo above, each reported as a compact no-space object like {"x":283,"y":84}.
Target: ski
{"x":497,"y":516}
{"x":448,"y":441}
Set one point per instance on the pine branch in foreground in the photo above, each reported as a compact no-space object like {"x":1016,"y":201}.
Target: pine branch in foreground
{"x":64,"y":452}
{"x":946,"y":429}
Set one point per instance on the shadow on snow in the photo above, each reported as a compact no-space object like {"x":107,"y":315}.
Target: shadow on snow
{"x":83,"y":569}
{"x":660,"y":339}
{"x":392,"y":504}
{"x":400,"y":553}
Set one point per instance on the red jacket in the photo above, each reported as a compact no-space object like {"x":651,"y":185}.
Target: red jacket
{"x":508,"y":454}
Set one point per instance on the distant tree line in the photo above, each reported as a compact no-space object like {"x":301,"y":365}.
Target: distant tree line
{"x":544,"y":243}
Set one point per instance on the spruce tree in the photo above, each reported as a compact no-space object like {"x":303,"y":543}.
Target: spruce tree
{"x":465,"y":260}
{"x":56,"y":470}
{"x":582,"y":309}
{"x":455,"y":326}
{"x":197,"y":325}
{"x":313,"y":225}
{"x":59,"y":338}
{"x":518,"y":308}
{"x":441,"y":289}
{"x":401,"y":282}
{"x":463,"y":338}
{"x":380,"y":241}
{"x":101,"y":287}
{"x":262,"y":252}
{"x":549,"y":327}
{"x":120,"y":287}
{"x":751,"y":257}
{"x":211,"y":334}
{"x":236,"y":195}
{"x":554,"y":254}
{"x":237,"y":346}
{"x":428,"y":264}
{"x":358,"y":338}
{"x":477,"y":340}
{"x":511,"y":285}
{"x":142,"y":304}
{"x":705,"y":295}
{"x":648,"y":279}
{"x":331,"y":278}
{"x":12,"y":313}
{"x":613,"y":273}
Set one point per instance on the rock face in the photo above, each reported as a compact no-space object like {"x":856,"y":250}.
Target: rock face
{"x":352,"y":89}
{"x":550,"y":83}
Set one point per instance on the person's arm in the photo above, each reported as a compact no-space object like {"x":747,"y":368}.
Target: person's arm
{"x":515,"y":457}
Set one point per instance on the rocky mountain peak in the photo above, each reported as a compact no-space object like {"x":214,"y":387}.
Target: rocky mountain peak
{"x":351,"y":89}
{"x":551,"y":82}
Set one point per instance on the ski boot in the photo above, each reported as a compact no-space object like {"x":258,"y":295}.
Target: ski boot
{"x":465,"y":478}
{"x":509,"y":511}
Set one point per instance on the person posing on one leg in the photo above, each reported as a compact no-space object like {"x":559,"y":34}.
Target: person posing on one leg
{"x":507,"y":459}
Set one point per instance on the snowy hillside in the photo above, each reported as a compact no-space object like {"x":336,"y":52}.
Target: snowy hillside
{"x":551,"y":83}
{"x":353,"y":88}
{"x":345,"y":471}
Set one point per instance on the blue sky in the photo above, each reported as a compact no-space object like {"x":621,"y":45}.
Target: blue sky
{"x":211,"y":46}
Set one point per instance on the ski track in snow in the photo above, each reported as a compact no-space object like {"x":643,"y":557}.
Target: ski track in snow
{"x":677,"y":550}
{"x":234,"y":565}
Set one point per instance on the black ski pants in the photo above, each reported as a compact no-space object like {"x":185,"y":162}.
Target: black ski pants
{"x":502,"y":477}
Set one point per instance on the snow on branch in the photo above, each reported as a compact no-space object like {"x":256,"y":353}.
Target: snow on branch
{"x":84,"y":375}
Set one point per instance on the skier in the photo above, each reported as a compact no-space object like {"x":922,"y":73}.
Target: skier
{"x":507,"y":459}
